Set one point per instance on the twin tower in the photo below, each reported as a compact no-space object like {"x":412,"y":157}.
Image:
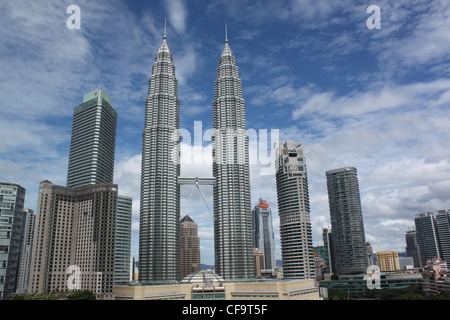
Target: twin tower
{"x":159,"y":250}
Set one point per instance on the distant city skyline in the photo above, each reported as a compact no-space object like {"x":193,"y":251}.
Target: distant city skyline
{"x":374,"y":99}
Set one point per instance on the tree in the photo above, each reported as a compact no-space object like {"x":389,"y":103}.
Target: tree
{"x":82,"y":295}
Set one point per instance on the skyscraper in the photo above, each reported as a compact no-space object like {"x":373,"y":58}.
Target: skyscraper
{"x":263,"y":234}
{"x":123,"y":240}
{"x":443,"y":227}
{"x":348,"y":237}
{"x":327,"y":243}
{"x":76,"y":225}
{"x":233,"y":246}
{"x":427,"y":236}
{"x":293,"y":208}
{"x":12,"y":198}
{"x":159,"y":258}
{"x":92,"y":145}
{"x":25,"y":251}
{"x":189,"y":247}
{"x":412,"y":247}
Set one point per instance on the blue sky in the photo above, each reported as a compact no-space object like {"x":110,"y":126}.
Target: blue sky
{"x":375,"y":99}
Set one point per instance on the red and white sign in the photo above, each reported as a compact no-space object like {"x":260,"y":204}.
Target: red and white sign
{"x":263,"y":204}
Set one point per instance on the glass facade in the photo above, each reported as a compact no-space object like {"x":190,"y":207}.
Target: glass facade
{"x":122,"y":273}
{"x":264,"y":238}
{"x":348,"y":236}
{"x":12,"y":198}
{"x":443,"y":227}
{"x":92,"y":145}
{"x":427,"y":236}
{"x":433,"y":235}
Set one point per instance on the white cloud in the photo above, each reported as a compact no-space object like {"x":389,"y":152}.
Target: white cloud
{"x":185,"y":62}
{"x":374,"y":100}
{"x":428,"y":42}
{"x":177,"y":12}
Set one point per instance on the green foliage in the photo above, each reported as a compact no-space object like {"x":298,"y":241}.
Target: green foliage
{"x":76,"y":295}
{"x":82,"y":295}
{"x":50,"y":296}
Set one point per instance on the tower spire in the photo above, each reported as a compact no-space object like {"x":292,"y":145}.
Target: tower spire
{"x":165,"y":22}
{"x":226,"y":33}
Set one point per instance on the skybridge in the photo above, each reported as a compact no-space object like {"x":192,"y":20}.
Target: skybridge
{"x":197,"y":182}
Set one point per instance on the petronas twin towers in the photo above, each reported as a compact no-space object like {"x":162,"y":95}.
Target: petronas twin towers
{"x":159,"y":257}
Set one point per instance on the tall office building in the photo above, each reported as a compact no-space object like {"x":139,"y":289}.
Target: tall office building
{"x":159,"y":258}
{"x":123,"y":240}
{"x":12,"y":198}
{"x":433,"y":235}
{"x":293,"y":208}
{"x":91,"y":162}
{"x":189,"y":247}
{"x":349,"y":245}
{"x":427,"y":236}
{"x":74,"y":239}
{"x":92,"y":145}
{"x":412,"y":247}
{"x":264,"y":238}
{"x":25,"y":251}
{"x":233,"y":245}
{"x":443,"y":228}
{"x":327,"y":243}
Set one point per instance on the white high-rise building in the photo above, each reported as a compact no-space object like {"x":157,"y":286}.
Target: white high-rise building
{"x":293,"y":208}
{"x":159,"y":258}
{"x":233,"y":245}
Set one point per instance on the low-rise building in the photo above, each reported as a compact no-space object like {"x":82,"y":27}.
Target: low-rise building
{"x":206,"y":285}
{"x":354,"y":285}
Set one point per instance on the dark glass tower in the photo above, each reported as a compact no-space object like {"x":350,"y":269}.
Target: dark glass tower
{"x":93,"y":141}
{"x":233,"y":246}
{"x":159,"y":258}
{"x":264,"y":238}
{"x":443,"y":227}
{"x":348,"y":237}
{"x":12,"y":198}
{"x":427,"y":236}
{"x":412,"y":247}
